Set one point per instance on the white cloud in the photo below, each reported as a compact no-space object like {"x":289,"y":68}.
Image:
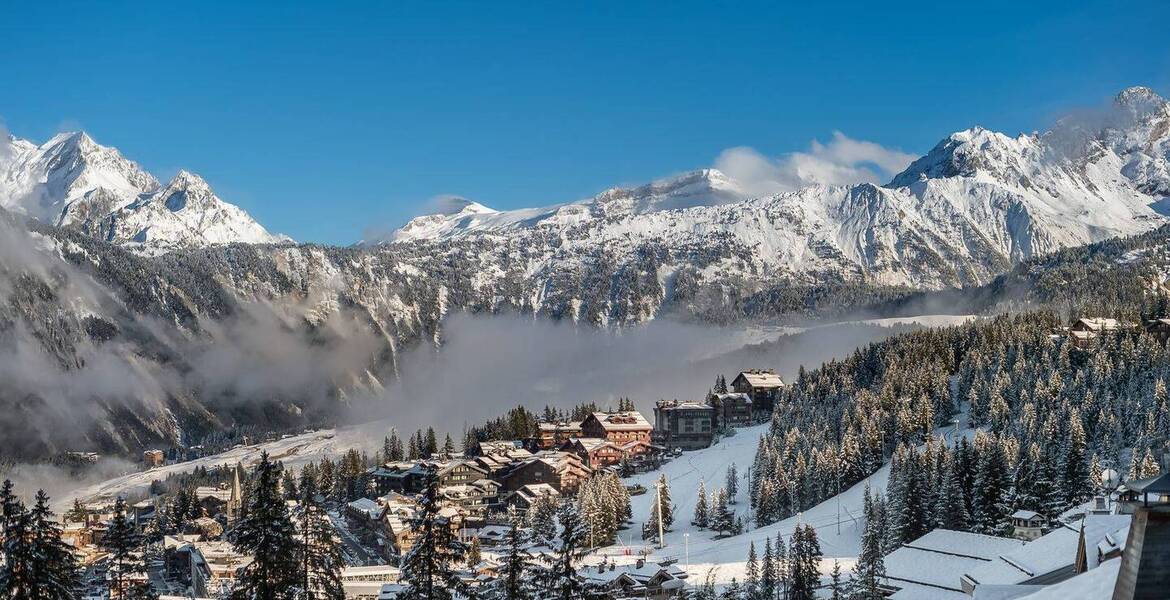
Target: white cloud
{"x":842,"y":160}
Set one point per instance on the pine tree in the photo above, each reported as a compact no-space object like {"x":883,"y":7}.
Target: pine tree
{"x":769,"y":578}
{"x":732,"y":484}
{"x":428,"y":566}
{"x":666,"y":503}
{"x":518,"y":568}
{"x":321,"y":557}
{"x":265,"y":532}
{"x":566,"y":582}
{"x":805,"y":560}
{"x":56,"y":567}
{"x":836,"y":589}
{"x":448,"y":446}
{"x":121,"y":541}
{"x":733,"y":591}
{"x":991,"y":487}
{"x":395,"y":452}
{"x":1076,"y":483}
{"x":18,"y":570}
{"x":752,"y":574}
{"x":869,"y":570}
{"x":722,"y":519}
{"x":542,"y":520}
{"x":701,"y":517}
{"x":783,"y":566}
{"x":430,"y":445}
{"x":950,"y":509}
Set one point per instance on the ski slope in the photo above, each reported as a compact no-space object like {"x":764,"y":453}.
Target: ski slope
{"x":293,"y":451}
{"x":696,"y":550}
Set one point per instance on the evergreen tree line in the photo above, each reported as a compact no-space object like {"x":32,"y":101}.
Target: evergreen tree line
{"x":1056,"y":413}
{"x":785,"y":571}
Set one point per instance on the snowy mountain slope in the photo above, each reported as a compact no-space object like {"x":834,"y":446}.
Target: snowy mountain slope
{"x":728,"y":556}
{"x":71,"y":181}
{"x":976,"y":204}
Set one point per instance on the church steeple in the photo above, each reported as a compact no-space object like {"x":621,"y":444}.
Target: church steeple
{"x":236,"y":501}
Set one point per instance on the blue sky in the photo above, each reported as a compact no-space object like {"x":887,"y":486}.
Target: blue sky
{"x":325,"y":121}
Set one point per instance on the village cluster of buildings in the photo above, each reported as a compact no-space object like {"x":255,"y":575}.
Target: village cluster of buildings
{"x":476,"y":493}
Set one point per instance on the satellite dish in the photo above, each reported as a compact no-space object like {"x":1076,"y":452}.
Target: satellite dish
{"x":1110,"y":478}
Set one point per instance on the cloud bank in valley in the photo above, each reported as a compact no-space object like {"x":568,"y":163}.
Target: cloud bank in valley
{"x":487,"y":365}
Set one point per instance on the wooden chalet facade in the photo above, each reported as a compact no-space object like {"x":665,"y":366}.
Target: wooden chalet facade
{"x":731,"y":410}
{"x":554,"y":435}
{"x":617,"y":427}
{"x":563,"y":471}
{"x":762,"y":386}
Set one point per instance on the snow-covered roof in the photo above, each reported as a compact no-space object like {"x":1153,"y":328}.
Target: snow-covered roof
{"x":740,"y":396}
{"x":1051,"y":552}
{"x":367,"y":507}
{"x":914,"y":591}
{"x":963,"y":543}
{"x":1099,"y":323}
{"x":630,"y":420}
{"x":1093,"y":584}
{"x":1026,"y":515}
{"x":562,"y":426}
{"x":761,"y":378}
{"x":938,"y":558}
{"x":686,"y":406}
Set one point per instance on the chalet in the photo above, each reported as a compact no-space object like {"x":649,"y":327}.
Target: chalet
{"x":399,"y":477}
{"x":223,"y":500}
{"x":153,"y":458}
{"x":554,"y":435}
{"x":564,"y":471}
{"x":458,"y":472}
{"x":526,"y":496}
{"x":686,"y":425}
{"x":641,"y":579}
{"x":617,"y":427}
{"x":1083,"y":332}
{"x":1096,"y":325}
{"x":762,"y":386}
{"x":475,"y":498}
{"x":1028,"y":525}
{"x":1159,"y":328}
{"x":598,"y":453}
{"x":731,"y":410}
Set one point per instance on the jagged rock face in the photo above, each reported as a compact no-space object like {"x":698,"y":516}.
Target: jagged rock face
{"x":71,"y":181}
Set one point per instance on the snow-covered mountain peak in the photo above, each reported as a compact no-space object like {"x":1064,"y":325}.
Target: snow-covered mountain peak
{"x":977,"y":202}
{"x":73,"y":181}
{"x":1142,"y":100}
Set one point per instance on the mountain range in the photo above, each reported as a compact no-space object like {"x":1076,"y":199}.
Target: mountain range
{"x":72,"y":181}
{"x":134,"y":313}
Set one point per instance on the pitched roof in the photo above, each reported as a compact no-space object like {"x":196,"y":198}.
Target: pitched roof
{"x":1051,"y":552}
{"x":760,"y":378}
{"x":937,"y":559}
{"x":1153,"y":485}
{"x":630,"y":420}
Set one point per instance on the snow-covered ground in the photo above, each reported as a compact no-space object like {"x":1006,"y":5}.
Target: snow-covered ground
{"x":697,"y":551}
{"x":294,"y":451}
